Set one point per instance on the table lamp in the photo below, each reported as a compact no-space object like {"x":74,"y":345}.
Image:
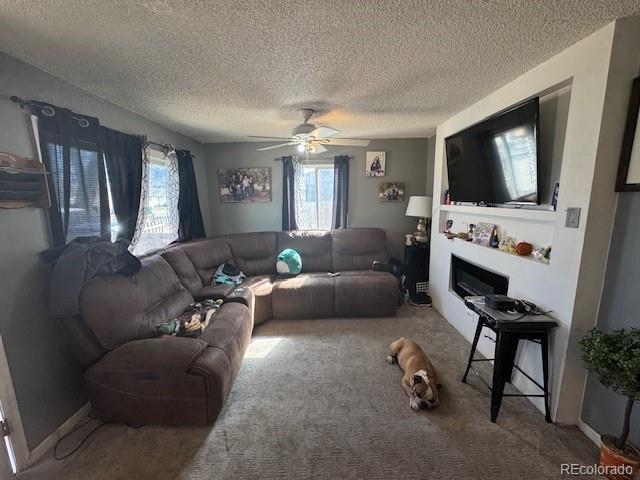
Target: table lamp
{"x":420,"y":206}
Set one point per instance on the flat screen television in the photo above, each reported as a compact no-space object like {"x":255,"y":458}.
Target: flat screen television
{"x":496,"y":161}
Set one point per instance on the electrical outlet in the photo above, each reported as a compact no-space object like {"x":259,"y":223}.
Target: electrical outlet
{"x":572,"y":220}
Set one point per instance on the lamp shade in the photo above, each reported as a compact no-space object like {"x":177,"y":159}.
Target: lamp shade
{"x":419,"y":206}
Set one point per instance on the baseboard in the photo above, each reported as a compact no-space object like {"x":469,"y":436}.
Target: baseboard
{"x":589,"y":432}
{"x":48,"y":443}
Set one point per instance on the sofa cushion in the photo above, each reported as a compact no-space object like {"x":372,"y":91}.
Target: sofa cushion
{"x":120,"y":309}
{"x":184,"y":268}
{"x":262,"y":286}
{"x":358,"y":248}
{"x":254,"y":253}
{"x":308,"y":295}
{"x":366,"y":294}
{"x":206,"y":255}
{"x":314,"y":246}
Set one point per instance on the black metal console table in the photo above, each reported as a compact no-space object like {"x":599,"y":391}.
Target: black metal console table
{"x":510,"y":328}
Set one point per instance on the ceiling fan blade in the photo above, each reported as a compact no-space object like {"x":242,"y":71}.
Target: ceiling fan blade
{"x":351,"y":142}
{"x":324,"y":132}
{"x":272,"y":138}
{"x":319,"y":149}
{"x":277,"y":146}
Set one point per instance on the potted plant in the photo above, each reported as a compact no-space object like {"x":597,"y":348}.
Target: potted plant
{"x":615,"y":358}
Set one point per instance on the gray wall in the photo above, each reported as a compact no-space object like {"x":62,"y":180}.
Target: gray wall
{"x":406,"y":161}
{"x":46,"y":379}
{"x":620,"y":308}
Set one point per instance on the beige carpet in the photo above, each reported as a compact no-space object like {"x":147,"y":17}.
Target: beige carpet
{"x":316,"y":399}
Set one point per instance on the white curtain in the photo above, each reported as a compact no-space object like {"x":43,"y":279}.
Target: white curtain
{"x":158,"y":220}
{"x":173,"y":191}
{"x":304,"y":217}
{"x":144,"y":199}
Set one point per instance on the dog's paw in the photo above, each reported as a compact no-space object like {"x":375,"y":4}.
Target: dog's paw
{"x":414,"y":404}
{"x":391,"y":359}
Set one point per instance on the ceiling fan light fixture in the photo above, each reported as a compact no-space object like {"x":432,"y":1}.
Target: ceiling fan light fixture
{"x":301,"y":148}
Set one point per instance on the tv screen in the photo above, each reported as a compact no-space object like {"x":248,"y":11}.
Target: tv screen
{"x":496,"y":160}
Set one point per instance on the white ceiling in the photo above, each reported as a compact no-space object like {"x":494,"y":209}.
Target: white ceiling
{"x":225,"y":69}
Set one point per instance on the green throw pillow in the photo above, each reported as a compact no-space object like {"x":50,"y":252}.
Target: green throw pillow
{"x":289,"y":262}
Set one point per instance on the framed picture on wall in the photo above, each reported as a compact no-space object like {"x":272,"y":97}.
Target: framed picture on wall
{"x":375,"y":164}
{"x":244,"y":185}
{"x":391,"y":192}
{"x":628,"y":179}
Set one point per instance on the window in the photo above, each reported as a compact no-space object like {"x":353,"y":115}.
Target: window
{"x":314,"y":210}
{"x":84,"y":218}
{"x":158,"y":218}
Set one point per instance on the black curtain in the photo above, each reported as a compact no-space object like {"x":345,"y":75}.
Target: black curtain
{"x":288,"y":195}
{"x":190,"y":223}
{"x":123,"y":159}
{"x":340,"y":191}
{"x":71,"y":152}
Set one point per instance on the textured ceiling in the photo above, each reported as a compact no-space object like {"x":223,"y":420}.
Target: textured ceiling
{"x":221,"y":70}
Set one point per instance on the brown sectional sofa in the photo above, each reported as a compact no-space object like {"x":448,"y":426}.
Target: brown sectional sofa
{"x":134,"y":376}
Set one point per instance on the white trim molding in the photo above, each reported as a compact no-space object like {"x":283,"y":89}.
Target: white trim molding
{"x":10,"y":406}
{"x":589,"y":432}
{"x":48,"y":443}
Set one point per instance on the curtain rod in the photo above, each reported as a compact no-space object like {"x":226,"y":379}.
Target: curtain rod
{"x":164,"y":146}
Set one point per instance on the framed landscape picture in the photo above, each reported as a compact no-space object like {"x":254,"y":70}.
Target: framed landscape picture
{"x":244,"y":185}
{"x":628,"y":179}
{"x":391,"y":192}
{"x":375,"y":164}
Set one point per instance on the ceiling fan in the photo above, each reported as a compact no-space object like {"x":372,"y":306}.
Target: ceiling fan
{"x":312,"y":139}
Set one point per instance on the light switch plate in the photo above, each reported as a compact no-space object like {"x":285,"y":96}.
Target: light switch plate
{"x":572,"y":219}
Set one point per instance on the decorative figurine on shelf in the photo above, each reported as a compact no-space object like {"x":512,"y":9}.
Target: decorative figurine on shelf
{"x":449,"y":226}
{"x":409,"y":241}
{"x":542,"y":254}
{"x":494,"y":242}
{"x":511,"y":245}
{"x":447,"y":231}
{"x":447,"y":198}
{"x":504,"y":247}
{"x":472,"y":229}
{"x":524,"y":249}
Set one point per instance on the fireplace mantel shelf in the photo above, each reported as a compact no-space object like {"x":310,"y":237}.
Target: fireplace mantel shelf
{"x":529,"y":258}
{"x":526,"y":214}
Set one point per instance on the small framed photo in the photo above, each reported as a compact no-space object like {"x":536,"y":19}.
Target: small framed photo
{"x":375,"y":164}
{"x":391,"y":192}
{"x":482,"y":234}
{"x":244,"y":185}
{"x":628,"y":179}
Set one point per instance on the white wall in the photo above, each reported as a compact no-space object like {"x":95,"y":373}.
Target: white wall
{"x":46,"y":379}
{"x":587,"y":165}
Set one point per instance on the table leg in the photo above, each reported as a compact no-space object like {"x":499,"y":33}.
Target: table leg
{"x":510,"y":347}
{"x":499,"y":371}
{"x":473,"y":348}
{"x":545,"y":374}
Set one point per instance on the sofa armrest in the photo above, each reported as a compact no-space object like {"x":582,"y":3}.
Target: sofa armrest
{"x":154,"y":353}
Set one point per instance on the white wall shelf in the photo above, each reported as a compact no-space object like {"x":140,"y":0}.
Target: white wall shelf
{"x":529,"y":258}
{"x":527,"y":214}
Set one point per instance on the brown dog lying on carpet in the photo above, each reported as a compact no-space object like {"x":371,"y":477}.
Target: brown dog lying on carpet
{"x":419,"y":381}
